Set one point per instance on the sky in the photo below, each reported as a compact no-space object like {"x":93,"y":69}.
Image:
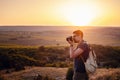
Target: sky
{"x":60,"y":12}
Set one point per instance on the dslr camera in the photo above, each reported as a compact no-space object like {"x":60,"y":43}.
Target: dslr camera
{"x":69,"y":38}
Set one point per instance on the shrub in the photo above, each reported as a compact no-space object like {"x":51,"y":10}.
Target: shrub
{"x":19,"y":67}
{"x":41,"y":48}
{"x":16,"y":61}
{"x":50,"y":65}
{"x":61,"y":64}
{"x":2,"y":78}
{"x":53,"y":56}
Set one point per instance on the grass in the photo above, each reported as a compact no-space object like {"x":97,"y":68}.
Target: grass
{"x":106,"y":74}
{"x":17,"y":46}
{"x":60,"y":73}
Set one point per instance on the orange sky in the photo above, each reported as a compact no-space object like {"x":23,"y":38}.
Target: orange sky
{"x":60,"y":12}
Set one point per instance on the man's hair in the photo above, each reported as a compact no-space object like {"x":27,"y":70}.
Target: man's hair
{"x":78,"y":32}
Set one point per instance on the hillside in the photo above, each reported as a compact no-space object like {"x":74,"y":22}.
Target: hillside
{"x":54,"y":61}
{"x":57,"y":56}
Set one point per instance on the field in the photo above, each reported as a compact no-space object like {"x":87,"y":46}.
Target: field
{"x":27,"y":52}
{"x":37,"y":36}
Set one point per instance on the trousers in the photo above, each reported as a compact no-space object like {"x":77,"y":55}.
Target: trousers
{"x":80,"y":76}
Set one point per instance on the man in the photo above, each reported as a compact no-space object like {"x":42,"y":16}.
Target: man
{"x":79,"y":54}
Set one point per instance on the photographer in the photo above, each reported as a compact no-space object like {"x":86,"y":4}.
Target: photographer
{"x":82,"y":50}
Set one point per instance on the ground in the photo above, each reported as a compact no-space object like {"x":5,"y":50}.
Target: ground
{"x":56,"y":73}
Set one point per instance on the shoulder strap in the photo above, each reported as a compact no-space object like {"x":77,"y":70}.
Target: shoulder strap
{"x":82,"y":58}
{"x":89,"y":51}
{"x":94,"y":55}
{"x":88,"y":56}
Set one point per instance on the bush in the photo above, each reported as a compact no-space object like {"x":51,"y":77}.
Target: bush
{"x":53,"y":56}
{"x":41,"y":48}
{"x":19,"y":67}
{"x":69,"y":75}
{"x":2,"y":78}
{"x":16,"y":61}
{"x":111,"y":64}
{"x":61,"y":64}
{"x":50,"y":65}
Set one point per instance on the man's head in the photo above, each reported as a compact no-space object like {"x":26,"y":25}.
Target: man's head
{"x":77,"y":36}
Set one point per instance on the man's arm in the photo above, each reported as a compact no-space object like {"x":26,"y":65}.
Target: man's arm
{"x":75,"y":53}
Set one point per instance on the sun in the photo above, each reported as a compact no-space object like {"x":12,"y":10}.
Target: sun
{"x":80,"y":15}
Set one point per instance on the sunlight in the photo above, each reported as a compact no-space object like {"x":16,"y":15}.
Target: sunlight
{"x":80,"y":15}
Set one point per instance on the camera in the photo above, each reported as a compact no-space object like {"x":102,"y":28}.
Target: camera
{"x":69,"y":38}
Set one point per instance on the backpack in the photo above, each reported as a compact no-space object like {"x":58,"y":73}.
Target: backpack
{"x":91,"y":62}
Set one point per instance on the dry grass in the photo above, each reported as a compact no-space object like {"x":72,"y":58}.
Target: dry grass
{"x":56,"y":73}
{"x":60,"y":74}
{"x":106,"y":74}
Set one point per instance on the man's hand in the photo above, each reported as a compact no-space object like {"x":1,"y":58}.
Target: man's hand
{"x":70,"y":42}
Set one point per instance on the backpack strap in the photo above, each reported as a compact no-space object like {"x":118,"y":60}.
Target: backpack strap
{"x":94,"y":55}
{"x":85,"y":42}
{"x":91,"y":49}
{"x":82,"y":58}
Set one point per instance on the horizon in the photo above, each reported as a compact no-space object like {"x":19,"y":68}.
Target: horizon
{"x":60,"y":13}
{"x":54,"y":26}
